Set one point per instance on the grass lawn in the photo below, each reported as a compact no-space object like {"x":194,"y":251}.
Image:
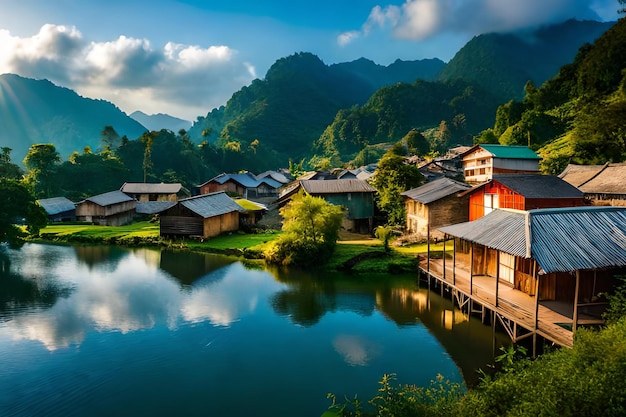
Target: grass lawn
{"x":139,"y":229}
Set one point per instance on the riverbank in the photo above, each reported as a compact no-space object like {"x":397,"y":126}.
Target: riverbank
{"x":353,"y":253}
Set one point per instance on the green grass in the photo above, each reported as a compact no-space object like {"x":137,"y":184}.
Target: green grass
{"x":237,"y":240}
{"x":139,"y":229}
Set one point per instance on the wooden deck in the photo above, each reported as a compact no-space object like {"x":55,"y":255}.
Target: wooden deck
{"x":515,"y":309}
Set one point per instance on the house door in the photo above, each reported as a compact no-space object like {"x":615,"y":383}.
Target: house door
{"x":490,"y":202}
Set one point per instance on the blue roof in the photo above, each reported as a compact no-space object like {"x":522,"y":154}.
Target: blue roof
{"x":247,"y":180}
{"x":561,"y":239}
{"x":56,"y":205}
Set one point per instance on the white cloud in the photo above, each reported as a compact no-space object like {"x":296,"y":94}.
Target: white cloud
{"x":183,"y":80}
{"x":419,"y":20}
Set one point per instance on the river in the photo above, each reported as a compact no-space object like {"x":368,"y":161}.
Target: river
{"x":104,"y":330}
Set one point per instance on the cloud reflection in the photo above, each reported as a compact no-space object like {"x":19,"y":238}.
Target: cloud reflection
{"x":132,"y":295}
{"x":356,"y":350}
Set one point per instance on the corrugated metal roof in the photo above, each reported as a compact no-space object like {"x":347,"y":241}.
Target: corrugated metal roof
{"x":56,"y":205}
{"x":107,"y":199}
{"x":150,"y":188}
{"x":336,"y":186}
{"x":246,"y":179}
{"x":436,"y":190}
{"x":538,"y":186}
{"x":578,"y":238}
{"x":210,"y":205}
{"x":153,"y":207}
{"x":503,"y":230}
{"x":510,"y":152}
{"x":249,"y":205}
{"x":561,"y":239}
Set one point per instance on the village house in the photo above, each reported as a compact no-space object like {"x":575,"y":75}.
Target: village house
{"x":354,"y":195}
{"x":541,"y":272}
{"x":602,"y":185}
{"x":482,"y":162}
{"x":435,"y":204}
{"x":58,"y":209}
{"x":109,"y":209}
{"x":245,"y":185}
{"x":522,"y":192}
{"x":202,"y":216}
{"x":142,"y":191}
{"x":251,"y":212}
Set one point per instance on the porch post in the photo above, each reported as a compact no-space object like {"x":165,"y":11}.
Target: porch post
{"x":454,"y":261}
{"x":428,"y":240}
{"x":444,"y":257}
{"x":471,"y":265}
{"x":576,"y":290}
{"x":497,"y":274}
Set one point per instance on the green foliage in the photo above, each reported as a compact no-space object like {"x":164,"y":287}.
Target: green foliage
{"x":576,"y":116}
{"x":7,"y":168}
{"x":617,"y":303}
{"x":392,"y":177}
{"x":18,"y":205}
{"x":384,"y":234}
{"x":400,"y":111}
{"x":42,"y":161}
{"x":310,"y":231}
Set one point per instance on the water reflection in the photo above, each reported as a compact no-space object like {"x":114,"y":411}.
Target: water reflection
{"x":110,"y":289}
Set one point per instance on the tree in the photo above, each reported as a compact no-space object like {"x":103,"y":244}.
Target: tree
{"x":7,"y":168}
{"x":310,"y":231}
{"x":392,"y":177}
{"x":42,"y":160}
{"x":18,"y":206}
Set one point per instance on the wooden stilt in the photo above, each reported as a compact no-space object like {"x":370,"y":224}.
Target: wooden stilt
{"x":576,"y":291}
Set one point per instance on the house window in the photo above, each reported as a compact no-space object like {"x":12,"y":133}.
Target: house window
{"x":490,"y":202}
{"x":507,"y":267}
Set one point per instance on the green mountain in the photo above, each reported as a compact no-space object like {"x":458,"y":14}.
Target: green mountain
{"x":504,"y":63}
{"x":379,"y":76}
{"x":299,"y":96}
{"x":578,"y":115}
{"x":37,"y":111}
{"x":160,"y":121}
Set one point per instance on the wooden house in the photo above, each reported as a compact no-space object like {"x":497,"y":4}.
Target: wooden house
{"x":541,"y":272}
{"x":109,"y":209}
{"x":522,"y":192}
{"x":435,"y":204}
{"x":601,"y":184}
{"x":59,"y":209}
{"x":251,"y":212}
{"x":354,"y":195}
{"x":245,"y":185}
{"x":202,"y":216}
{"x":482,"y":162}
{"x":142,"y":191}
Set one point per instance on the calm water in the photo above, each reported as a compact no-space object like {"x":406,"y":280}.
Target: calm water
{"x":104,"y":331}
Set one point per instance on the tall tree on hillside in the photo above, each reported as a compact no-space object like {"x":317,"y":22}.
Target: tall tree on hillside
{"x":146,"y":139}
{"x":42,"y":161}
{"x":7,"y":168}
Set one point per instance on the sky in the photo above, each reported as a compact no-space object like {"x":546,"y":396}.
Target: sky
{"x":187,"y":57}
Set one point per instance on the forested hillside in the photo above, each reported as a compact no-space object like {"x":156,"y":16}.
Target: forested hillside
{"x":578,"y":115}
{"x":503,"y":63}
{"x":37,"y":111}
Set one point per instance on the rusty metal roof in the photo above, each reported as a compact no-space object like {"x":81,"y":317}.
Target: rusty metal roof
{"x":436,"y":190}
{"x":561,"y":239}
{"x":336,"y":186}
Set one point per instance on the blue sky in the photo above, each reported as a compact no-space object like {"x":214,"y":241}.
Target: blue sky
{"x":187,"y":57}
